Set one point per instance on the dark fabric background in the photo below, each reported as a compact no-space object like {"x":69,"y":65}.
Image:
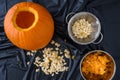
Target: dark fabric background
{"x":13,"y":60}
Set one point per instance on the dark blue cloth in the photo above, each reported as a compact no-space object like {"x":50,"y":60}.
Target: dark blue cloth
{"x":13,"y":60}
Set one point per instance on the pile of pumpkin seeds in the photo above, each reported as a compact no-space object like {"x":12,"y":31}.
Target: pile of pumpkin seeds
{"x":53,"y":60}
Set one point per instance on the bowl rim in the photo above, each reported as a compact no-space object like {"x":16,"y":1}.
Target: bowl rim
{"x":98,"y":51}
{"x":70,"y":32}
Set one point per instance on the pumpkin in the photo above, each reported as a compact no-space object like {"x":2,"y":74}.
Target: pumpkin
{"x":29,"y":25}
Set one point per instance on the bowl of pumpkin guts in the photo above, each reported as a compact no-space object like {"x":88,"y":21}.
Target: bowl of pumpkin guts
{"x":97,"y":65}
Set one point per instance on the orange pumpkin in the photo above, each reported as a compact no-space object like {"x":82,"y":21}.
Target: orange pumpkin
{"x":29,"y":26}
